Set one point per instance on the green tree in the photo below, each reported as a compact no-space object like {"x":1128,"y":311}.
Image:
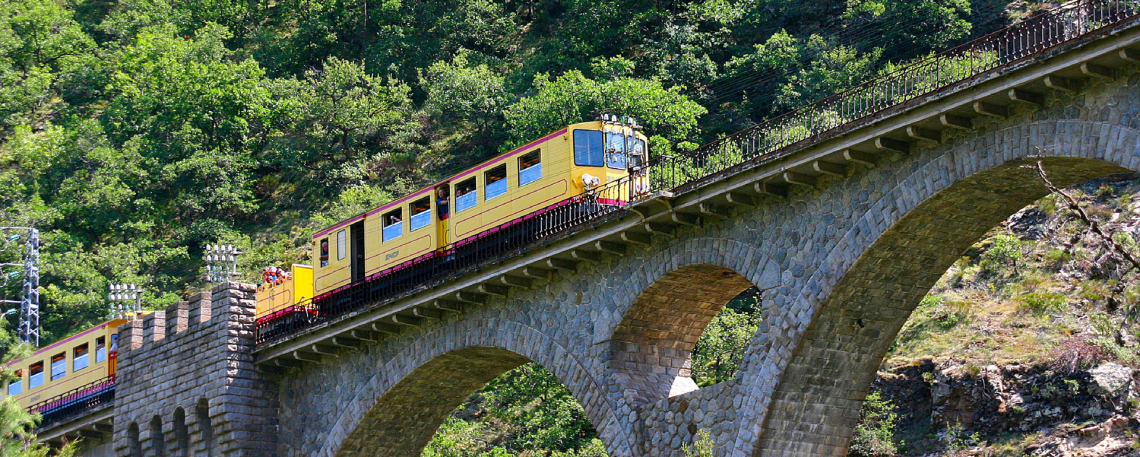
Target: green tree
{"x":343,"y":125}
{"x":460,"y":92}
{"x":832,"y":70}
{"x":669,"y":116}
{"x":544,"y":415}
{"x":913,"y":27}
{"x":720,"y":349}
{"x":36,"y":39}
{"x":875,"y":434}
{"x":199,"y":117}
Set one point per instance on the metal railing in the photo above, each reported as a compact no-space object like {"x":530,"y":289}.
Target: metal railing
{"x":764,"y":142}
{"x":503,"y":241}
{"x":937,"y":72}
{"x":76,"y":402}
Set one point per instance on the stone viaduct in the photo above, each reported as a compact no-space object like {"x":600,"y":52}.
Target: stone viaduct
{"x":843,"y":234}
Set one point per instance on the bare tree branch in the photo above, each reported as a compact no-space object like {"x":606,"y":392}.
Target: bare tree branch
{"x":1094,"y":227}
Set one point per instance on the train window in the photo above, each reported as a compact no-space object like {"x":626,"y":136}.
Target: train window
{"x":393,"y":224}
{"x":615,"y":150}
{"x":530,"y":167}
{"x":79,"y":359}
{"x":114,"y":343}
{"x":589,"y":148}
{"x":36,"y":378}
{"x":637,"y":153}
{"x":17,"y":385}
{"x":496,"y":182}
{"x":341,"y":240}
{"x":58,"y":365}
{"x":421,"y":213}
{"x":100,"y":349}
{"x":465,"y":195}
{"x":324,"y":252}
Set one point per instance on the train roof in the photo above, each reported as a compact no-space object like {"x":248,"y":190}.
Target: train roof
{"x":456,"y":176}
{"x":56,"y":345}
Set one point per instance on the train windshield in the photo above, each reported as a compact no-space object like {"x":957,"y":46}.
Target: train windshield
{"x":615,"y":150}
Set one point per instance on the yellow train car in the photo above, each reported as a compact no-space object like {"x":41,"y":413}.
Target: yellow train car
{"x":68,"y":371}
{"x":282,"y":293}
{"x":530,"y":178}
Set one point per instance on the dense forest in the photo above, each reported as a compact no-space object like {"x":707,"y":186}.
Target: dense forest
{"x":134,"y":132}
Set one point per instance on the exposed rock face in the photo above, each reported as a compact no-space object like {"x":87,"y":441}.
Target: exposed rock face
{"x":1082,"y":414}
{"x":1110,"y":380}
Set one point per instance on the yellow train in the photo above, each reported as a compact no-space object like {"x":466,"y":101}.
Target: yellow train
{"x":68,"y":375}
{"x":505,"y":201}
{"x":445,"y":221}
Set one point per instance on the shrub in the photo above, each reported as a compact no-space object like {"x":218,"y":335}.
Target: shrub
{"x":1056,"y":258}
{"x":1073,"y":387}
{"x":930,"y":301}
{"x":1103,"y":192}
{"x":1040,"y":303}
{"x":1094,"y":290}
{"x":955,"y":438}
{"x":702,"y":447}
{"x":1075,"y":354}
{"x":874,"y":436}
{"x":1004,"y":252}
{"x":951,"y":313}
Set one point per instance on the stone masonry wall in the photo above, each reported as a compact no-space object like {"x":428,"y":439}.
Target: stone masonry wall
{"x":187,"y":385}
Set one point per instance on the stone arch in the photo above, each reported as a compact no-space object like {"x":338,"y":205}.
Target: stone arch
{"x":134,"y":441}
{"x":205,"y":428}
{"x":397,"y":410}
{"x":156,"y":440}
{"x":950,"y":197}
{"x":180,"y":447}
{"x":651,"y":346}
{"x":408,"y":414}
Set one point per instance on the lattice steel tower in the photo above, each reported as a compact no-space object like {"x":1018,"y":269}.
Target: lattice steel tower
{"x":29,"y":328}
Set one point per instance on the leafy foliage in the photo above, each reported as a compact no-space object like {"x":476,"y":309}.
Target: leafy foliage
{"x":874,"y":436}
{"x":720,"y":349}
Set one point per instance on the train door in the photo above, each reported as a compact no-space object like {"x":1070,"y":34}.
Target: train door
{"x":356,"y":251}
{"x":443,"y":213}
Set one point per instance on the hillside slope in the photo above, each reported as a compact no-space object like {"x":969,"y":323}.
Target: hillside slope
{"x":1028,"y":345}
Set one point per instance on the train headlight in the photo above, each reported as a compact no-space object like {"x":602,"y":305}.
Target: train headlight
{"x":589,"y":180}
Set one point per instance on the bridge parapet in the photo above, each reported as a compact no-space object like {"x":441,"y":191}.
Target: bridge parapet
{"x":187,"y":384}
